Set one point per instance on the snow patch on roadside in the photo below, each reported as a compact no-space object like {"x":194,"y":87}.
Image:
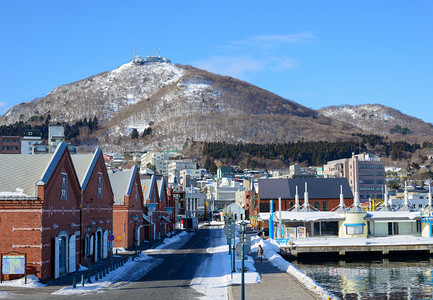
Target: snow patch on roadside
{"x":271,"y":252}
{"x":181,"y":237}
{"x":32,"y":282}
{"x":131,"y":271}
{"x":214,"y":275}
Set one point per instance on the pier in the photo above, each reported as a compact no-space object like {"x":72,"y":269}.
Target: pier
{"x":342,"y":250}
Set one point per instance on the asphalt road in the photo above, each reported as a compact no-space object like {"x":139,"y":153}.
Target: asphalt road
{"x":169,"y":280}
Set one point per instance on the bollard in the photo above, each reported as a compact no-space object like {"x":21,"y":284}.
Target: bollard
{"x":103,"y":272}
{"x":74,"y":282}
{"x":96,"y":275}
{"x":82,"y":279}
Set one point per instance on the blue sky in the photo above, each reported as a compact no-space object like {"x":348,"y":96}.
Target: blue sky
{"x":317,"y":53}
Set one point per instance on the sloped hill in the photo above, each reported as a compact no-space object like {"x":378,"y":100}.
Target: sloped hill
{"x":180,"y":103}
{"x":379,"y":119}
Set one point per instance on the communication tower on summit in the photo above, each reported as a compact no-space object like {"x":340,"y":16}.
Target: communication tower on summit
{"x":138,"y":60}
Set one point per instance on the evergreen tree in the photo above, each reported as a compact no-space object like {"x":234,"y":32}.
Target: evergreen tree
{"x":134,"y":134}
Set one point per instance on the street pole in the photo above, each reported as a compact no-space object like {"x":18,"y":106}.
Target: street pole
{"x":243,"y":226}
{"x":279,"y":218}
{"x":89,"y":229}
{"x":233,"y":245}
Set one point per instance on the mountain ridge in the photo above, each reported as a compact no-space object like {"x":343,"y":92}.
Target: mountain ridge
{"x":183,"y":104}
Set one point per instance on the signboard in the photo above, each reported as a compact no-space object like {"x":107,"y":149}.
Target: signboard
{"x":13,"y":264}
{"x":169,"y":210}
{"x":291,"y":232}
{"x":151,"y":207}
{"x":110,"y":237}
{"x":247,"y":249}
{"x":301,"y":231}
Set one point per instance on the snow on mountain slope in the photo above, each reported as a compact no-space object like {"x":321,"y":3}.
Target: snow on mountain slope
{"x":376,"y":118}
{"x":179,"y":103}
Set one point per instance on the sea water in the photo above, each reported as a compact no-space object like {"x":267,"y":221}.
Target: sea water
{"x":394,"y":278}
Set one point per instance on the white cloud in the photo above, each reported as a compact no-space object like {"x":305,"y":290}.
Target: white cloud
{"x":268,"y":40}
{"x":241,"y":66}
{"x":281,"y":63}
{"x":236,"y":66}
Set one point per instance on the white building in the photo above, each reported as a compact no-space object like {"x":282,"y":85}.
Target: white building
{"x":221,"y":195}
{"x":159,"y":159}
{"x":29,"y":139}
{"x":195,"y":202}
{"x":174,"y":168}
{"x":186,"y":177}
{"x":56,"y":135}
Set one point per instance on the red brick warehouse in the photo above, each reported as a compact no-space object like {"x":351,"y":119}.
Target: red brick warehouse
{"x":128,"y":208}
{"x":40,"y":210}
{"x":96,"y":205}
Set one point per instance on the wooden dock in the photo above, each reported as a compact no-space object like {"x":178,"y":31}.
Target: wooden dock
{"x":299,"y":251}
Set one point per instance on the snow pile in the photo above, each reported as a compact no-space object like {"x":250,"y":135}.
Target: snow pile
{"x":214,"y":275}
{"x":32,"y":282}
{"x":130,"y":271}
{"x":4,"y":295}
{"x":143,"y":257}
{"x":271,"y":250}
{"x":183,"y":236}
{"x":82,"y":268}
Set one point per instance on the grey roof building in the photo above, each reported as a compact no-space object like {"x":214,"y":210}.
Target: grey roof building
{"x":121,"y":183}
{"x":323,"y":193}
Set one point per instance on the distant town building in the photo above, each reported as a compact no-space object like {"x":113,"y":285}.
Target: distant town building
{"x":322,"y":193}
{"x":195,"y":202}
{"x":175,"y":166}
{"x":56,"y":135}
{"x":365,"y":173}
{"x":10,"y":145}
{"x":189,"y":177}
{"x":398,"y":174}
{"x":157,"y":159}
{"x":225,"y":172}
{"x":30,"y":138}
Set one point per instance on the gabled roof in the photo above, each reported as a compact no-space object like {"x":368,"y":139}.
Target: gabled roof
{"x":147,"y":187}
{"x":161,"y":185}
{"x":318,"y":188}
{"x":84,"y":165}
{"x":26,"y":171}
{"x":122,"y":183}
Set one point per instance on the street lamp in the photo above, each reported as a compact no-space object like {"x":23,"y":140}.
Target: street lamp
{"x":243,"y":226}
{"x":89,"y":231}
{"x":135,"y":218}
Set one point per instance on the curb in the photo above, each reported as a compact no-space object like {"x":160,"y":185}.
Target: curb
{"x":230,"y":292}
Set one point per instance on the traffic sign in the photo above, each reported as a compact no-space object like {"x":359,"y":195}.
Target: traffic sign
{"x":247,"y":248}
{"x":227,"y":230}
{"x":110,"y":237}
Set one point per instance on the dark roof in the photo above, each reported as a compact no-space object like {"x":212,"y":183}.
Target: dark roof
{"x":318,"y":188}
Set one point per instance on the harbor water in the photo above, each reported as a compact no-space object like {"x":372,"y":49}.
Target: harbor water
{"x":393,"y":278}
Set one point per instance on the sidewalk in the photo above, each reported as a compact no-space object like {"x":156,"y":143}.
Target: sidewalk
{"x":67,"y":280}
{"x":275,"y":284}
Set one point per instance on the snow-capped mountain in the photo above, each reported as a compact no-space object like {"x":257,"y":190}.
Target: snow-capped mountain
{"x":180,"y":104}
{"x":378,"y":119}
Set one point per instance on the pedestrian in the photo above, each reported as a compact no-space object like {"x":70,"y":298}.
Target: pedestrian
{"x":260,"y":253}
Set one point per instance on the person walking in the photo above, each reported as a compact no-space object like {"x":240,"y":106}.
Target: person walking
{"x":260,"y":253}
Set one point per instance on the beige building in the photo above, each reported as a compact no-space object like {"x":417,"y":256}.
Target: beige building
{"x":159,"y":159}
{"x":364,"y":172}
